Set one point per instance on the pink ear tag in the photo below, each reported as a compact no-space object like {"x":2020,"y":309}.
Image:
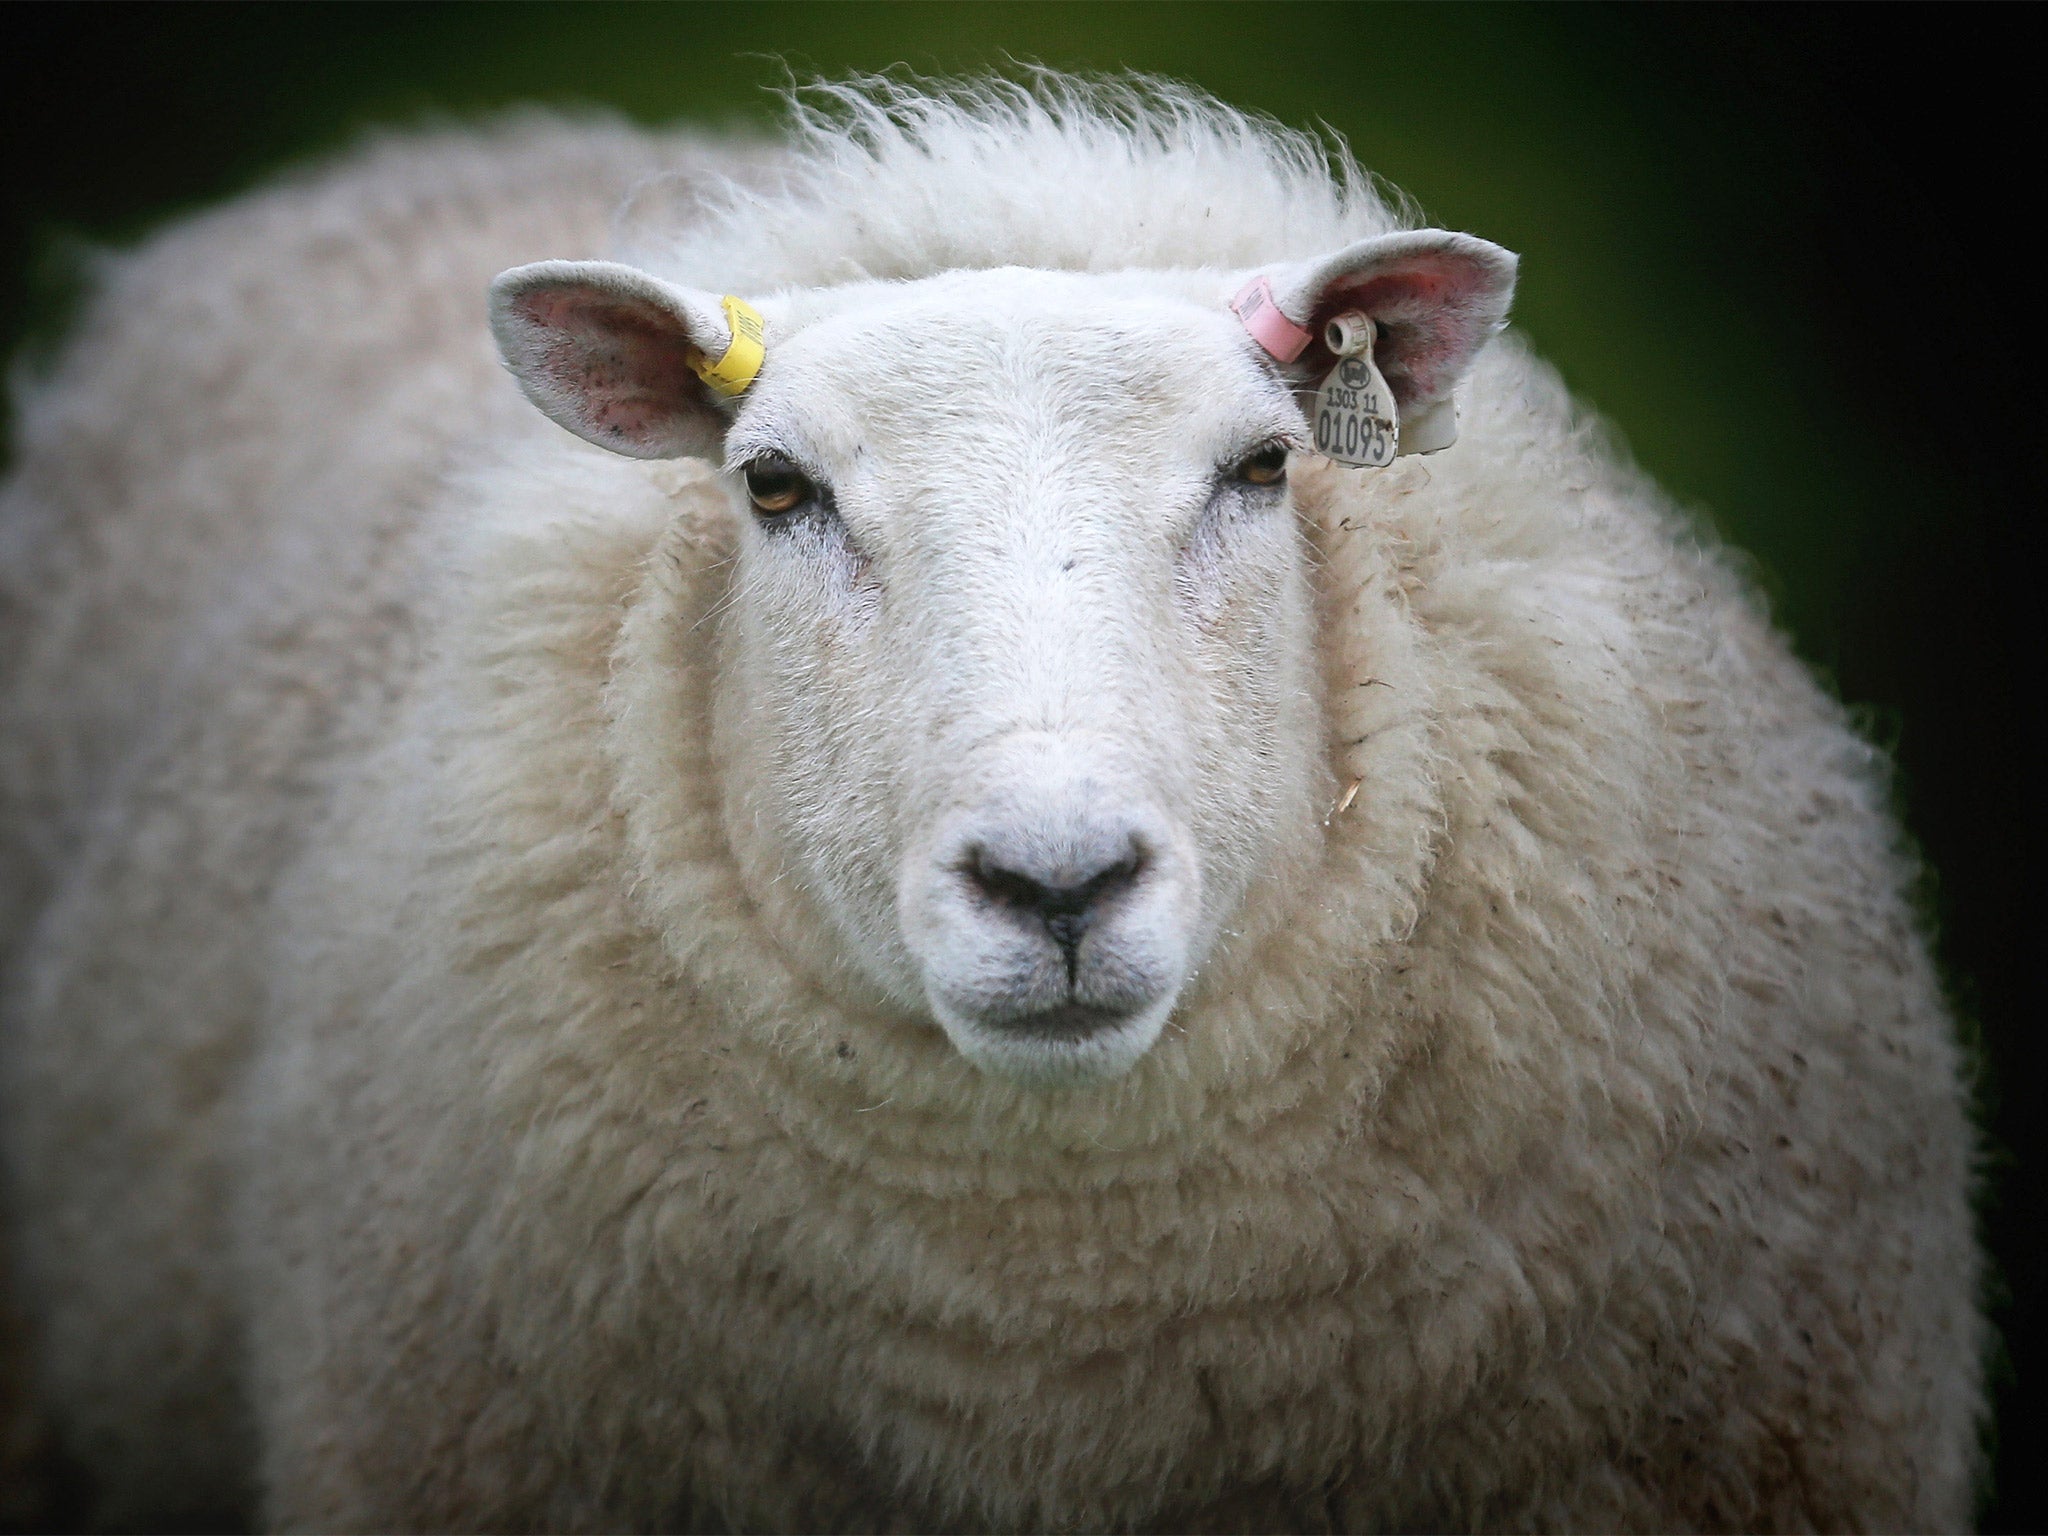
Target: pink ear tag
{"x":1269,"y":327}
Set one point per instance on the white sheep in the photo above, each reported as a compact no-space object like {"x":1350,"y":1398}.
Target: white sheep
{"x":961,"y":933}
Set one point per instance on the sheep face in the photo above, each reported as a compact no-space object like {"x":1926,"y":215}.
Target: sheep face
{"x":1019,"y":678}
{"x":1018,"y":682}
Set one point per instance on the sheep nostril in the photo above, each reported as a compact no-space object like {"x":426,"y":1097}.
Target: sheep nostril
{"x":1066,"y":903}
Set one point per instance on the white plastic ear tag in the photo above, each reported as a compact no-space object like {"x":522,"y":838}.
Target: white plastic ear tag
{"x":1357,"y":422}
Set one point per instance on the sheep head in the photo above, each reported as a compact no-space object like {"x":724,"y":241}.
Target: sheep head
{"x":1020,"y":678}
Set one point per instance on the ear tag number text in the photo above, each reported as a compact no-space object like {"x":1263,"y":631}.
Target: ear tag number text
{"x":1356,"y":421}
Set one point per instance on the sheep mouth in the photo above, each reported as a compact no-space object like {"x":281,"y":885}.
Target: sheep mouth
{"x":1070,"y":1044}
{"x":1067,"y":1022}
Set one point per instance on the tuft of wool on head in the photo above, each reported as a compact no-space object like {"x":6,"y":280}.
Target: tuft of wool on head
{"x":894,"y":178}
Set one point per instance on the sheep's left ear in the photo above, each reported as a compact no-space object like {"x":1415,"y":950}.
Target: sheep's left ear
{"x":1434,"y":297}
{"x":623,"y":359}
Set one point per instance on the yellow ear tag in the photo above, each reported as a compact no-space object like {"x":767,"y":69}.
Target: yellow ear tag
{"x":732,"y":373}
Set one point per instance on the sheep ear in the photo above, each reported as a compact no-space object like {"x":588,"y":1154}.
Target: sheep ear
{"x":616,"y":355}
{"x":1434,"y":297}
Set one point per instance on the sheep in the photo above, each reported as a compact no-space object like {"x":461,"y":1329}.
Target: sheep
{"x":927,"y":918}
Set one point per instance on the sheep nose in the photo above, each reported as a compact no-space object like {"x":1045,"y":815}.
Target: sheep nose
{"x":1066,"y":900}
{"x":1052,"y":920}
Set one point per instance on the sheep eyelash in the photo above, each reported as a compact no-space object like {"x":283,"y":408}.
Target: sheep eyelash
{"x":1228,"y":470}
{"x":821,"y":502}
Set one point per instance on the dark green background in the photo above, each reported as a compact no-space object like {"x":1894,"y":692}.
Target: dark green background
{"x":1775,"y":247}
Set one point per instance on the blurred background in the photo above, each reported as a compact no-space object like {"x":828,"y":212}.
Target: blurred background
{"x":1774,"y":247}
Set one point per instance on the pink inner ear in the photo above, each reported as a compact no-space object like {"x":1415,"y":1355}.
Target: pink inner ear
{"x":623,"y":367}
{"x":1433,"y":313}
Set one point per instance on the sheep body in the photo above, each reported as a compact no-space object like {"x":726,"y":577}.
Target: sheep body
{"x":413,"y":1114}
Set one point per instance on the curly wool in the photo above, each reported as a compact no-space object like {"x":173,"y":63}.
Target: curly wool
{"x":410,"y":1121}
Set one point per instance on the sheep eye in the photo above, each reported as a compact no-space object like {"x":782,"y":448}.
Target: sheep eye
{"x":776,"y":486}
{"x":1264,"y":466}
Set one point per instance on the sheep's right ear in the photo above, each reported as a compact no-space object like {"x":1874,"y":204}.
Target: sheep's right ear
{"x":616,"y":355}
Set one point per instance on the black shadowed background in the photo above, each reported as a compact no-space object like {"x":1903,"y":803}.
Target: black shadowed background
{"x":1777,"y":248}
